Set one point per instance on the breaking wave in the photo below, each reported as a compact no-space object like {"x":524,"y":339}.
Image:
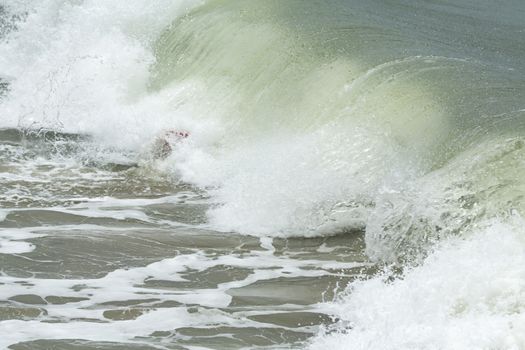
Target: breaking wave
{"x":305,"y":120}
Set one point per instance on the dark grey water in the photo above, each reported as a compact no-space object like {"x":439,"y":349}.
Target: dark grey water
{"x":98,"y":246}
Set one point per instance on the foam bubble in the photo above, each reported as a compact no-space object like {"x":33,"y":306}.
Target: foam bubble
{"x":12,"y":241}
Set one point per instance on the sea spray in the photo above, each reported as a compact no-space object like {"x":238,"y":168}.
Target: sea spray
{"x":468,"y":294}
{"x":317,"y":132}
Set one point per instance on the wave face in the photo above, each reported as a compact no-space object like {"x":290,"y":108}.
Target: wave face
{"x":320,"y":115}
{"x":401,"y":120}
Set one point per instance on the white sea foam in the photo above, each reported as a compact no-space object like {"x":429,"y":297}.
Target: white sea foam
{"x":469,"y":294}
{"x":86,"y":67}
{"x":130,"y":284}
{"x":124,"y":331}
{"x":286,"y":184}
{"x":3,"y":214}
{"x":12,"y":241}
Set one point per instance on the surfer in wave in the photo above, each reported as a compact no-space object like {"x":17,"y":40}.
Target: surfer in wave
{"x":166,"y":141}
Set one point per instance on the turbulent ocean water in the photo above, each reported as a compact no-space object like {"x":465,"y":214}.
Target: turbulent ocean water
{"x":352,"y":179}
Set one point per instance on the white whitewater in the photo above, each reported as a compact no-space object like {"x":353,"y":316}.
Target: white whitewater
{"x":327,"y":142}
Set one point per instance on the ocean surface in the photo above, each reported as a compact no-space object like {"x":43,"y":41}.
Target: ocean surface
{"x":353,"y":175}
